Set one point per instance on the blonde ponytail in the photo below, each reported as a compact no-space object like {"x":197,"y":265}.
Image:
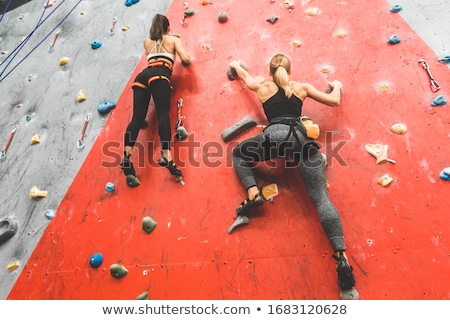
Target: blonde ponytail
{"x":280,"y":66}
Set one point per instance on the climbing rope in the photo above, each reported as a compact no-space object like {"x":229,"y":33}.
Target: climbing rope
{"x":21,"y":45}
{"x":6,"y":9}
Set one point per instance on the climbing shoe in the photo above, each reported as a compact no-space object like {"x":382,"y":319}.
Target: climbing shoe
{"x":170,"y":165}
{"x":248,"y":204}
{"x":346,"y":279}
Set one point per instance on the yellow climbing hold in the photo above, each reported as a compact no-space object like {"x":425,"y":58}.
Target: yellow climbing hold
{"x":399,"y":128}
{"x":35,"y":139}
{"x":81,"y":97}
{"x":385,"y":180}
{"x":379,"y":151}
{"x":35,"y":193}
{"x":125,"y":27}
{"x":341,"y":33}
{"x":63,"y":61}
{"x":297,"y":43}
{"x":312,"y":11}
{"x":383,"y":86}
{"x":325,"y":68}
{"x":82,"y":12}
{"x":13,"y":265}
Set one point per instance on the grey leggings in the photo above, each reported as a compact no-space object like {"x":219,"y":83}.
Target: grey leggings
{"x":273,"y":143}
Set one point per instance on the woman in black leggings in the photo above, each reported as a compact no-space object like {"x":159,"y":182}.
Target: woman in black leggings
{"x":282,"y":101}
{"x":154,"y":80}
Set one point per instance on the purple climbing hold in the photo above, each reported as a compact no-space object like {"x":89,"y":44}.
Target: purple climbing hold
{"x":394,"y":39}
{"x":439,"y":101}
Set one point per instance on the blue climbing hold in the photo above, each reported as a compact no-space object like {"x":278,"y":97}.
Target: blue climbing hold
{"x":96,"y":44}
{"x":106,"y":107}
{"x":396,"y":8}
{"x":110,"y":187}
{"x":96,"y":260}
{"x":130,"y":2}
{"x":444,"y":59}
{"x":49,"y":213}
{"x":439,"y":101}
{"x":394,"y":39}
{"x":445,"y":174}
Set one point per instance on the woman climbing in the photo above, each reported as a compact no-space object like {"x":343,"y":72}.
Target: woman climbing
{"x":154,"y":80}
{"x":282,"y":101}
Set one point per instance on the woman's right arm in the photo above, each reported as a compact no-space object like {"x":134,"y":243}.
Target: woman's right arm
{"x":181,"y":51}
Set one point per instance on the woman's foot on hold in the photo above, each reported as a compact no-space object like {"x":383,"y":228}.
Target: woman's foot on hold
{"x":346,"y":279}
{"x":170,"y":165}
{"x":249,"y":203}
{"x":128,"y":170}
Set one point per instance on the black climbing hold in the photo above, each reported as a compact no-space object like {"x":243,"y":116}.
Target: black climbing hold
{"x":272,"y":19}
{"x":148,"y":224}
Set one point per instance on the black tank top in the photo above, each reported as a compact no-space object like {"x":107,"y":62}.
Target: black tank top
{"x":279,"y":105}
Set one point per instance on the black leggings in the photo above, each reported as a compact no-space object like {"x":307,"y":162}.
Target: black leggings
{"x":272,"y":143}
{"x":161,"y":91}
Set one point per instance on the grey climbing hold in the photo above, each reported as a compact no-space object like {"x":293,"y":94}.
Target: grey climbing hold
{"x":395,"y":8}
{"x":240,"y":221}
{"x":439,"y":101}
{"x":272,"y":19}
{"x":142,"y":296}
{"x":8,"y":228}
{"x":394,"y":39}
{"x":231,"y":72}
{"x":118,"y":271}
{"x":132,"y":181}
{"x":223,"y":17}
{"x":148,"y":224}
{"x":96,"y":260}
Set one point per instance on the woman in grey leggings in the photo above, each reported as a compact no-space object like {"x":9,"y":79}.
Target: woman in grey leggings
{"x":282,"y":101}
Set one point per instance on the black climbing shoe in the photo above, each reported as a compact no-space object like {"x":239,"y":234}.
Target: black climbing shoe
{"x":127,"y":166}
{"x":248,"y":204}
{"x":173,"y":169}
{"x":346,"y":279}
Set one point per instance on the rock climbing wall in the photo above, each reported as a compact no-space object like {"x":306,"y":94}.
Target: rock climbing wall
{"x":392,"y":203}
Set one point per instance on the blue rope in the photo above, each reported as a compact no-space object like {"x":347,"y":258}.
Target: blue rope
{"x":20,"y":46}
{"x":6,"y":8}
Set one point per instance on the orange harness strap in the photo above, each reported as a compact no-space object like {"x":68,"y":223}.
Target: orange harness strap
{"x":143,"y":86}
{"x":160,"y":64}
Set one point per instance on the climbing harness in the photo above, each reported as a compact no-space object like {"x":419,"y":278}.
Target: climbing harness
{"x":50,"y":48}
{"x":111,"y":30}
{"x":80,"y":143}
{"x":11,"y":136}
{"x":433,"y":82}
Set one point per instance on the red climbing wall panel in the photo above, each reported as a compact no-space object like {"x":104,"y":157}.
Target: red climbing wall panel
{"x":397,"y":236}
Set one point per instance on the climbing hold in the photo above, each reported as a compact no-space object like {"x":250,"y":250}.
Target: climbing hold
{"x":125,"y":27}
{"x":223,"y":17}
{"x":394,"y":39}
{"x":312,"y":11}
{"x":35,"y":193}
{"x":383,"y":86}
{"x":399,"y":128}
{"x":289,"y":4}
{"x":240,"y":221}
{"x":205,"y":2}
{"x":35,"y":139}
{"x":272,"y":19}
{"x":118,"y":271}
{"x":49,"y":3}
{"x":130,"y":2}
{"x":148,"y":224}
{"x":385,"y":180}
{"x":439,"y":101}
{"x":297,"y":43}
{"x":444,"y":59}
{"x":142,"y":296}
{"x":231,"y":72}
{"x":445,"y":174}
{"x":132,"y":181}
{"x":109,"y":187}
{"x":379,"y":151}
{"x":8,"y":228}
{"x":49,"y":213}
{"x":96,"y":260}
{"x":395,"y":8}
{"x":96,"y":44}
{"x":325,"y":68}
{"x":13,"y":265}
{"x":341,"y":33}
{"x":81,"y":97}
{"x":189,"y":13}
{"x":238,"y":128}
{"x":106,"y":107}
{"x":63,"y":61}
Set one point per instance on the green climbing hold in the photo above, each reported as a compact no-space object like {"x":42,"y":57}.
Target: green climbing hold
{"x":142,"y":296}
{"x":148,"y":224}
{"x":118,"y":271}
{"x":189,"y":12}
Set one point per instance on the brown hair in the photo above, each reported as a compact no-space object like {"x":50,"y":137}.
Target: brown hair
{"x":280,"y":67}
{"x":160,"y":26}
